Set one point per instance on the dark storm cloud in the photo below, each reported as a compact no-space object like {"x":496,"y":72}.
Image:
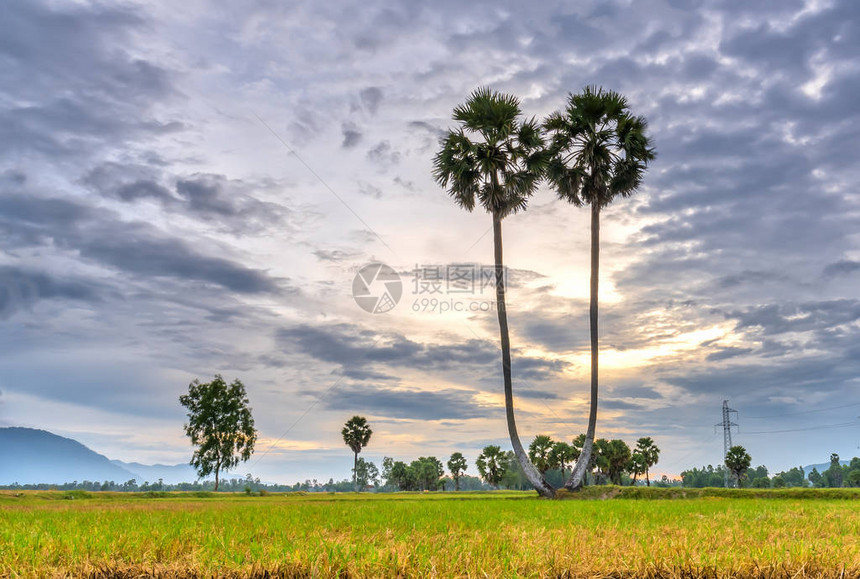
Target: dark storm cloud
{"x":351,"y":135}
{"x":128,"y":182}
{"x":371,"y":97}
{"x":20,"y":288}
{"x":335,"y":255}
{"x":383,"y":154}
{"x":358,"y":350}
{"x":80,"y":90}
{"x":444,"y":404}
{"x":842,"y":267}
{"x":614,"y":404}
{"x":813,"y":316}
{"x":229,"y":203}
{"x":131,"y":247}
{"x":726,"y":353}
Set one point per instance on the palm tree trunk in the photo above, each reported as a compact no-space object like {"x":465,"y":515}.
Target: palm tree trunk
{"x":216,"y":478}
{"x":576,"y":477}
{"x":355,"y":473}
{"x":647,"y":477}
{"x":534,"y":477}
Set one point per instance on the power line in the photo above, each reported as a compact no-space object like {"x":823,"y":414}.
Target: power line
{"x":803,"y":412}
{"x":823,"y":427}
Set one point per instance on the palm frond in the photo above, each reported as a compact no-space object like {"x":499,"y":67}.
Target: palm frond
{"x":599,"y":150}
{"x":493,"y":159}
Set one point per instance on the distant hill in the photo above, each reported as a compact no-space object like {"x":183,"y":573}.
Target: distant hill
{"x":170,"y":474}
{"x":29,"y":456}
{"x":822,"y":467}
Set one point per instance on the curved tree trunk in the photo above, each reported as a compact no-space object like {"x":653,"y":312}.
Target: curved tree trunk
{"x":534,"y":477}
{"x":578,"y":474}
{"x":647,"y":477}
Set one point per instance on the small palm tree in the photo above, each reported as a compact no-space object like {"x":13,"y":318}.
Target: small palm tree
{"x":599,"y":152}
{"x":356,"y":434}
{"x":540,"y":452}
{"x":492,"y":465}
{"x":738,"y":461}
{"x":495,"y":160}
{"x":637,"y":466}
{"x":650,"y":454}
{"x":562,"y":454}
{"x":457,"y":465}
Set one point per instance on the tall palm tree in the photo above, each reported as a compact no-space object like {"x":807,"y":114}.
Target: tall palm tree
{"x":599,"y":152}
{"x":356,"y":434}
{"x":495,"y":160}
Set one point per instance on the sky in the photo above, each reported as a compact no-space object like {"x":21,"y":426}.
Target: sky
{"x":191,"y":188}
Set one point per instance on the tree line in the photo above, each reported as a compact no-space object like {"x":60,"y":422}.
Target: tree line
{"x":738,"y":468}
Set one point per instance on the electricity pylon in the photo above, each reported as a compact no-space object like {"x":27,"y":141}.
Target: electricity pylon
{"x":727,"y":436}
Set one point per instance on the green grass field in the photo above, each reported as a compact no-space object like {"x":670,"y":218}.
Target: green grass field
{"x":710,"y":533}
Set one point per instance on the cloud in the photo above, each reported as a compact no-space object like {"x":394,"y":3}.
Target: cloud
{"x":840,"y":268}
{"x":371,"y":97}
{"x":409,"y":404}
{"x":357,"y":351}
{"x":20,"y":288}
{"x":351,"y":135}
{"x":133,"y":247}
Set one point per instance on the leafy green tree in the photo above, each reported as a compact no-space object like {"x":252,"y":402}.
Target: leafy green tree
{"x":637,"y":466}
{"x":617,"y":455}
{"x":833,"y":476}
{"x":815,"y":478}
{"x":539,"y":453}
{"x":428,"y":472}
{"x":794,"y":477}
{"x":650,"y":453}
{"x":853,"y":477}
{"x":457,"y":465}
{"x":495,"y":160}
{"x":219,"y":424}
{"x":738,"y":461}
{"x":599,"y":152}
{"x":599,"y":463}
{"x":492,"y":465}
{"x":365,"y":474}
{"x":761,"y":482}
{"x":778,"y":482}
{"x":561,"y":455}
{"x":399,"y":475}
{"x":704,"y":477}
{"x":356,"y":434}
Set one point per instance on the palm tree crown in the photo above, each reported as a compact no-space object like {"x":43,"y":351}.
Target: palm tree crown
{"x":492,"y":160}
{"x":599,"y":150}
{"x":356,"y":433}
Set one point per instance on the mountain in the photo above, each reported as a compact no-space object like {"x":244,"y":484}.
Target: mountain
{"x":29,"y":456}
